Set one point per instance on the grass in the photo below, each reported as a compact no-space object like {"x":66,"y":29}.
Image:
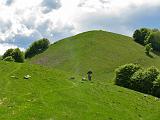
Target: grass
{"x":50,"y":94}
{"x":98,"y":51}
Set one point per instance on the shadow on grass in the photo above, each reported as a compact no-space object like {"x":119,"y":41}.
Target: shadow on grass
{"x":149,"y":55}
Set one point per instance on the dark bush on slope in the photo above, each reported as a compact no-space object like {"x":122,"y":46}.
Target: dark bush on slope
{"x":142,"y":80}
{"x":124,"y":73}
{"x":13,"y":55}
{"x":37,"y":47}
{"x":141,"y":35}
{"x":148,"y":48}
{"x":7,"y":53}
{"x":18,"y":55}
{"x":154,"y":39}
{"x":156,"y":87}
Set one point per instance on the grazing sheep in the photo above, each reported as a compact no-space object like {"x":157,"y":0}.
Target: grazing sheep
{"x":27,"y":77}
{"x":83,"y":78}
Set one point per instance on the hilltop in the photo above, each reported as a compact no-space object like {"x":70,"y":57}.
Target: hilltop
{"x":99,"y":51}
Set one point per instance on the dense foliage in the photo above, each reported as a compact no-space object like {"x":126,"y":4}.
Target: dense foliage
{"x":7,"y":53}
{"x":13,"y":55}
{"x":154,"y":39}
{"x":124,"y":73}
{"x":18,"y":55}
{"x":156,"y":87}
{"x":139,"y":79}
{"x":148,"y":48}
{"x":146,"y":36}
{"x":9,"y":59}
{"x":143,"y":80}
{"x":37,"y":47}
{"x":141,"y":35}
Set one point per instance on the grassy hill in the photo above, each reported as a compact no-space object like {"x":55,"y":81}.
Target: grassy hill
{"x":98,"y":51}
{"x":50,"y":95}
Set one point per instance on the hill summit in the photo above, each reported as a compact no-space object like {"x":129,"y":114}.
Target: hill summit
{"x":99,"y":51}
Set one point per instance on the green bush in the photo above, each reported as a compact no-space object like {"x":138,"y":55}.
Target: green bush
{"x":7,"y":53}
{"x":18,"y":55}
{"x":148,"y":49}
{"x":9,"y":59}
{"x":37,"y":47}
{"x":142,"y":80}
{"x":156,"y":87}
{"x":154,"y":39}
{"x":136,"y":80}
{"x":124,"y":73}
{"x":141,"y":35}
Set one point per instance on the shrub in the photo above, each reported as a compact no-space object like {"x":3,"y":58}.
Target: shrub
{"x":37,"y":47}
{"x":136,"y":80}
{"x":18,"y":55}
{"x":154,"y":39}
{"x":156,"y":87}
{"x":142,"y":80}
{"x":124,"y":73}
{"x":9,"y":58}
{"x":148,"y":49}
{"x":141,"y":35}
{"x":13,"y":55}
{"x":7,"y":53}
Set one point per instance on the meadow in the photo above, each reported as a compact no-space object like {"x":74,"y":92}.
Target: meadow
{"x":51,"y":94}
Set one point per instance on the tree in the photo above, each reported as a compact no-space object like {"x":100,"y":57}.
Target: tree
{"x":124,"y":73}
{"x":37,"y":47}
{"x":137,"y":36}
{"x":148,"y":48}
{"x":7,"y":53}
{"x":141,"y":35}
{"x":154,"y":39}
{"x":18,"y":55}
{"x":13,"y":55}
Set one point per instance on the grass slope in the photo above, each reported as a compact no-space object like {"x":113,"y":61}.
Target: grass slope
{"x":50,"y":95}
{"x":99,"y":51}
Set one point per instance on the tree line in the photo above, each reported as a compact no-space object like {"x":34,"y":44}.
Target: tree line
{"x":150,"y":38}
{"x":16,"y":55}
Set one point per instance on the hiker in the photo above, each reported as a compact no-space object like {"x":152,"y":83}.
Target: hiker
{"x":89,"y":75}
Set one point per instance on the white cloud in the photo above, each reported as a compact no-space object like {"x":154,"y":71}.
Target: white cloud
{"x":49,"y":5}
{"x":23,"y":21}
{"x":5,"y":46}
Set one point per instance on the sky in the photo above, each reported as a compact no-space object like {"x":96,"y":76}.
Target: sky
{"x":24,"y":21}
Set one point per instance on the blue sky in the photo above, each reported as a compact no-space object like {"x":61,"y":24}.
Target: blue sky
{"x":24,"y":21}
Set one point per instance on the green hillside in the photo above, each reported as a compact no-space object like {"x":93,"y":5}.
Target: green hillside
{"x":50,"y":95}
{"x":98,"y":51}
